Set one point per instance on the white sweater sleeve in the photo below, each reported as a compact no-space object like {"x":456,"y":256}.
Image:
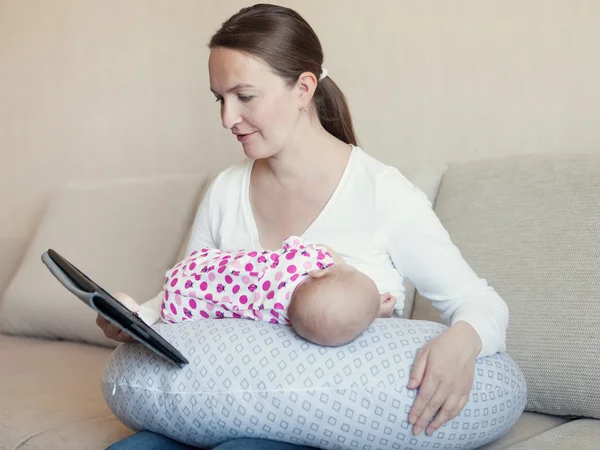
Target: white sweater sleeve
{"x":202,"y":228}
{"x":150,"y":310}
{"x":200,"y":236}
{"x":422,"y":251}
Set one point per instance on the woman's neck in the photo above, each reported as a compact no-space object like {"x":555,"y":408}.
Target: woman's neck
{"x":312,"y":155}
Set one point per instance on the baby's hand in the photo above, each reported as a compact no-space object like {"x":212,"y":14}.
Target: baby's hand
{"x":111,"y":331}
{"x":387,"y":303}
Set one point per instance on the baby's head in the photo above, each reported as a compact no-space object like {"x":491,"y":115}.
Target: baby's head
{"x":333,"y":306}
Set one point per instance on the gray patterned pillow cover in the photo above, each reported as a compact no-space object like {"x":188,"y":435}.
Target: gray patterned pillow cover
{"x":254,"y":379}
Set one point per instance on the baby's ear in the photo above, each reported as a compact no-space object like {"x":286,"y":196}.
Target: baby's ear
{"x":318,"y":273}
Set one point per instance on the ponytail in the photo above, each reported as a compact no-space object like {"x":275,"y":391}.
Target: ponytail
{"x":333,"y":111}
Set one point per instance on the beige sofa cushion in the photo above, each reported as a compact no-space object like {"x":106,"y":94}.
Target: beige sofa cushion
{"x":530,"y":226}
{"x":124,"y":234}
{"x":89,"y":434}
{"x":582,"y":434}
{"x":49,"y":387}
{"x":529,"y":425}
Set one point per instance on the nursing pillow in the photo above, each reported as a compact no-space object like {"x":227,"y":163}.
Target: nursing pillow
{"x":256,"y":379}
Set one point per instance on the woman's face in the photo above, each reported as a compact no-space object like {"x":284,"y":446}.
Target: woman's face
{"x":256,"y":104}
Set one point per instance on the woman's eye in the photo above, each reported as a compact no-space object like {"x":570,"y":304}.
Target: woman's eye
{"x":245,"y":98}
{"x":219,"y":100}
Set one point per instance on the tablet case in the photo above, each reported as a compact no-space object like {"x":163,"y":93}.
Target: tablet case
{"x":108,"y":307}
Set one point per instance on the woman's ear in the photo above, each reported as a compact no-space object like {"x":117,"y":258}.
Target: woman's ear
{"x":307,"y":84}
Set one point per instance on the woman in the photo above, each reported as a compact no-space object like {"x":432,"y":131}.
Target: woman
{"x":305,"y":176}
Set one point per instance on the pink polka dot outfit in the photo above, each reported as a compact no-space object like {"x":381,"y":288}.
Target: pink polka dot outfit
{"x":214,"y":284}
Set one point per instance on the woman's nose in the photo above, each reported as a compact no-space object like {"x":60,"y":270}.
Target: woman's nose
{"x":229,"y":115}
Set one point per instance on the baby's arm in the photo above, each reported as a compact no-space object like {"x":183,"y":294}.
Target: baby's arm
{"x":150,"y":310}
{"x":336,"y":257}
{"x":387,"y":300}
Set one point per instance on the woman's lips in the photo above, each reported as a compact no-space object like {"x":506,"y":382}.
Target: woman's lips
{"x":244,"y":137}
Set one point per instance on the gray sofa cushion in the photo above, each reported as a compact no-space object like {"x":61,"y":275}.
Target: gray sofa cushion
{"x":529,"y":425}
{"x":530,"y":225}
{"x":583,"y":434}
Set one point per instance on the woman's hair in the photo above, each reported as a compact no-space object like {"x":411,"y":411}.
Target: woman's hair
{"x":286,"y":42}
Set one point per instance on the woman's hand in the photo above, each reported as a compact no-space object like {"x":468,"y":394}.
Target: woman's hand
{"x":110,"y":330}
{"x":443,"y":371}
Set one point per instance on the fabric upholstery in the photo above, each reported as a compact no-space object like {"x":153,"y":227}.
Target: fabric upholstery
{"x":48,"y":386}
{"x":123,"y":234}
{"x":581,"y":434}
{"x":529,"y":425}
{"x":89,"y":434}
{"x":531,"y":227}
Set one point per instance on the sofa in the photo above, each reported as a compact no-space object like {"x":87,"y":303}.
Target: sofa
{"x":529,"y":225}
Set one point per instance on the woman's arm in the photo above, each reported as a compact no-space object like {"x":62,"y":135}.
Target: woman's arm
{"x":422,"y":251}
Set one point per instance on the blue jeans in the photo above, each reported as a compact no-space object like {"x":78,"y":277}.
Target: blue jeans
{"x":146,"y":440}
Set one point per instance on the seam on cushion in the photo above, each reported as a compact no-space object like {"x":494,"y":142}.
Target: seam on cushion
{"x":38,"y":433}
{"x":506,"y":391}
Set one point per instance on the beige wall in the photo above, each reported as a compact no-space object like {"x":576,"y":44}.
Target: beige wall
{"x":112,"y":88}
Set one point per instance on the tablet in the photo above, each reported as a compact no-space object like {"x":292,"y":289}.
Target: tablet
{"x":109,"y":307}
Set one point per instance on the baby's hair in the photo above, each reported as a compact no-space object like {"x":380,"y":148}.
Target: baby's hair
{"x":332,"y":310}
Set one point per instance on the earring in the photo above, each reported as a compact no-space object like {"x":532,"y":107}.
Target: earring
{"x":303,"y":108}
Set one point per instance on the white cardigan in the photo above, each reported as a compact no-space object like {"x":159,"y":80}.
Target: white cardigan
{"x":378,"y":222}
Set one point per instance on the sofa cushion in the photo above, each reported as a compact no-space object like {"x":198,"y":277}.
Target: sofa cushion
{"x":529,"y":424}
{"x":582,"y":434}
{"x":87,"y":434}
{"x":124,"y":234}
{"x":530,"y":226}
{"x":48,"y":385}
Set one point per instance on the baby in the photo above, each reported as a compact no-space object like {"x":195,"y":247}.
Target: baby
{"x":304,"y":285}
